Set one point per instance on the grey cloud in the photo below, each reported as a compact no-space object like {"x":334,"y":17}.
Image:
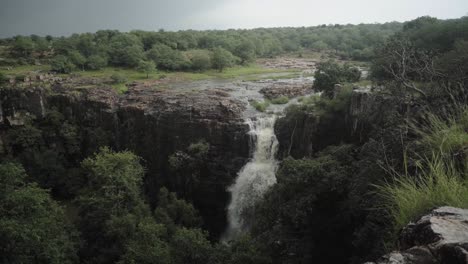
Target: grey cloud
{"x":63,"y":17}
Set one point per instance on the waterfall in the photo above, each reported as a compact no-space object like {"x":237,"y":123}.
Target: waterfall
{"x":254,"y":179}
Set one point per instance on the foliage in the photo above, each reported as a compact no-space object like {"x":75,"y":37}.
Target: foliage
{"x":173,"y":212}
{"x":447,"y":136}
{"x":191,"y":246}
{"x":147,"y":246}
{"x":111,"y":205}
{"x":280,"y":100}
{"x":146,"y":67}
{"x":245,"y":51}
{"x":187,"y":167}
{"x":32,"y":225}
{"x":125,"y":50}
{"x":62,"y":64}
{"x":96,"y":62}
{"x":3,"y":78}
{"x":260,"y":106}
{"x":23,"y":46}
{"x":438,"y":184}
{"x":167,"y":58}
{"x":310,"y":193}
{"x":200,"y":60}
{"x":222,"y":59}
{"x":330,"y":73}
{"x":118,"y":78}
{"x":77,"y":59}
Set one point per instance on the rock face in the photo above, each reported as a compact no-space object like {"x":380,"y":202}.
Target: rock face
{"x":439,"y":237}
{"x":154,"y":124}
{"x":303,"y":133}
{"x":286,"y":89}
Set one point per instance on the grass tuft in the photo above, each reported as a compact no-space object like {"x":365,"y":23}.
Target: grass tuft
{"x":438,"y":184}
{"x":448,"y":136}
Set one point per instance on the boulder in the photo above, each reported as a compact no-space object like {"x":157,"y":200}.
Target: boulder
{"x":439,"y":237}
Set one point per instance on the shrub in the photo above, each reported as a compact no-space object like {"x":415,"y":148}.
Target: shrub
{"x":260,"y":106}
{"x":118,"y":78}
{"x":62,"y":64}
{"x":330,"y":73}
{"x":200,"y":60}
{"x":280,"y":100}
{"x":96,"y":62}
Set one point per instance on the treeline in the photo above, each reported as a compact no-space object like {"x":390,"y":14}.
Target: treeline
{"x":194,"y":50}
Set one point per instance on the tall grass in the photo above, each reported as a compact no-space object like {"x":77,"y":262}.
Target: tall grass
{"x":447,"y":136}
{"x":438,"y":184}
{"x":441,"y":180}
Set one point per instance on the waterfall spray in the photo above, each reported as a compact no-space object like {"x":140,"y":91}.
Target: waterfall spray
{"x":254,"y":179}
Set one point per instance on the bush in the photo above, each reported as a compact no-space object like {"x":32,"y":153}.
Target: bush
{"x":330,"y":73}
{"x":260,"y":106}
{"x":280,"y":100}
{"x":222,"y":59}
{"x":62,"y":64}
{"x":200,"y":60}
{"x":118,"y":78}
{"x":96,"y":62}
{"x":167,"y":58}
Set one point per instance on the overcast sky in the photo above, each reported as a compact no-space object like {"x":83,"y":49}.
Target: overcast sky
{"x":63,"y":17}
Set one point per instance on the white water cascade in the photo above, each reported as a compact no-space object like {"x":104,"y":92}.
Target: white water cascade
{"x":254,"y":179}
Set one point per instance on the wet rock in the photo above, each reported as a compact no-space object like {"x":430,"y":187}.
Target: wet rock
{"x":285,"y":89}
{"x":439,"y":237}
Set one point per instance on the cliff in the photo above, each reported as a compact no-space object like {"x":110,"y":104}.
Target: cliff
{"x":350,"y":119}
{"x":154,"y":124}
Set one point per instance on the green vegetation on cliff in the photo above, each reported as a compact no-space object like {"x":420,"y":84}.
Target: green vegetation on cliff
{"x":355,"y":166}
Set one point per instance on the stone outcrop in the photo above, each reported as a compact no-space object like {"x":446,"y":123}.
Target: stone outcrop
{"x":439,"y":237}
{"x":303,"y":133}
{"x":286,"y":89}
{"x":152,"y":123}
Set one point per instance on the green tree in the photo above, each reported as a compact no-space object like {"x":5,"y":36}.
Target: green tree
{"x":200,"y":60}
{"x":62,"y":64}
{"x":191,"y":246}
{"x":23,"y":46}
{"x":319,"y":45}
{"x":33,"y":227}
{"x":148,"y":245}
{"x":173,"y":212}
{"x":146,"y":67}
{"x":96,"y":62}
{"x":111,"y":205}
{"x":77,"y":59}
{"x":330,"y":73}
{"x":167,"y":58}
{"x":41,"y":45}
{"x":245,"y":51}
{"x":125,"y":50}
{"x":222,"y":59}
